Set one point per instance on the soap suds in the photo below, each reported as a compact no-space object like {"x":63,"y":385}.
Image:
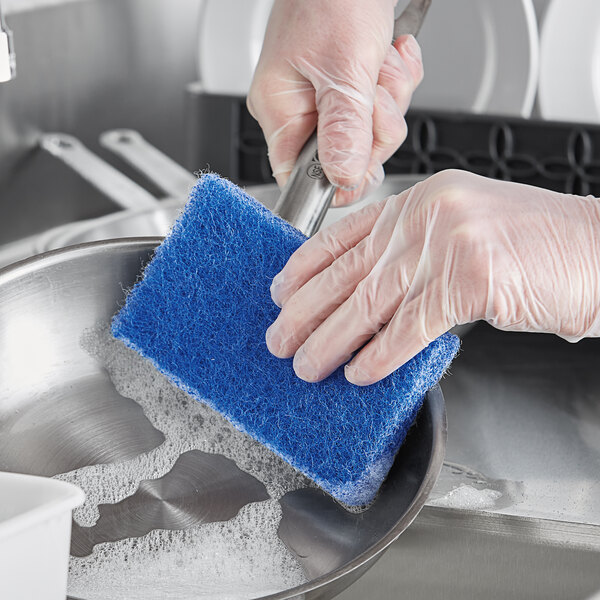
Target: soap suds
{"x":496,"y":494}
{"x":240,"y":558}
{"x":236,"y":560}
{"x":466,"y":497}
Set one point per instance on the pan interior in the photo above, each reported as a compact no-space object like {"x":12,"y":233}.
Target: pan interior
{"x":167,"y":479}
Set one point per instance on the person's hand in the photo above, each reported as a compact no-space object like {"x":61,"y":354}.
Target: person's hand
{"x":331,"y":65}
{"x":453,"y":249}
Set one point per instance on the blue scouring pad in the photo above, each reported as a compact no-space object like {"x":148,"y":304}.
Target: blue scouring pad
{"x":200,"y":314}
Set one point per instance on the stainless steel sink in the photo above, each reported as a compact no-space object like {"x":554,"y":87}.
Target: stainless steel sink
{"x":447,"y":555}
{"x":524,"y":427}
{"x":524,"y":451}
{"x":523,"y":410}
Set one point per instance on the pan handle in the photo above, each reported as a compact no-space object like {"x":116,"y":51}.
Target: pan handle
{"x":411,"y":19}
{"x":163,"y":171}
{"x":104,"y":177}
{"x":308,"y":193}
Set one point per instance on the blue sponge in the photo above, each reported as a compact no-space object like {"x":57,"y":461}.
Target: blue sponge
{"x":200,"y":314}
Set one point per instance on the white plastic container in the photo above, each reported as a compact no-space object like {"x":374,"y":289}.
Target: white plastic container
{"x":35,"y":534}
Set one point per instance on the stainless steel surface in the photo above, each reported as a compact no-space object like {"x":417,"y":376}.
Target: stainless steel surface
{"x":411,"y":20}
{"x":524,"y":421}
{"x":8,"y":59}
{"x":148,"y":217}
{"x":86,"y":67}
{"x":524,"y":415}
{"x":308,"y":193}
{"x":59,"y":410}
{"x":167,"y":174}
{"x":19,"y":6}
{"x":120,"y":189}
{"x":450,"y":560}
{"x":185,"y":497}
{"x":524,"y":442}
{"x":148,"y":222}
{"x":18,"y":250}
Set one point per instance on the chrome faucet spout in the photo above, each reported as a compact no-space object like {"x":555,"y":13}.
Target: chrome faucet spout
{"x":8,"y":64}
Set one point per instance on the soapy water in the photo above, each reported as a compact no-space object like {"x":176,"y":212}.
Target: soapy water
{"x":237,"y":559}
{"x":460,"y":486}
{"x":466,"y":497}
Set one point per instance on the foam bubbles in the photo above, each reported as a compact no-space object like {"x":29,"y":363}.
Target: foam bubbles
{"x":466,"y":497}
{"x":241,"y":558}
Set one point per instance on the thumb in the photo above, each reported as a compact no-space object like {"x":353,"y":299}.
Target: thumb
{"x":345,"y":121}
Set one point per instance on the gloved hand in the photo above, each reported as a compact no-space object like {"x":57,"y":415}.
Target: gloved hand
{"x":452,"y":249}
{"x":333,"y":62}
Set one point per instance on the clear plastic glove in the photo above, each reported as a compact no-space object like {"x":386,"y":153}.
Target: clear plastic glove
{"x":453,"y":249}
{"x":332,"y":64}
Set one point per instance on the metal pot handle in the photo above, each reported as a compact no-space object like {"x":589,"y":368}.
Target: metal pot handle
{"x":308,"y":193}
{"x":162,"y":170}
{"x":104,"y":177}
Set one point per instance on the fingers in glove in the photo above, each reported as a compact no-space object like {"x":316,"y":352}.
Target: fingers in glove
{"x":401,"y":73}
{"x":286,"y":143}
{"x":412,"y":328}
{"x":367,"y":310}
{"x":323,"y":294}
{"x":372,"y":302}
{"x":344,"y":101}
{"x":389,"y":132}
{"x":320,"y":251}
{"x":410,"y":52}
{"x":371,"y":182}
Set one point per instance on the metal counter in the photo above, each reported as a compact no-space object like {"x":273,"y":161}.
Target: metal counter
{"x":516,"y":511}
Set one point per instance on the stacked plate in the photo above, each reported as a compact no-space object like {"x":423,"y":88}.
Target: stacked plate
{"x":569,"y":88}
{"x":480,"y":55}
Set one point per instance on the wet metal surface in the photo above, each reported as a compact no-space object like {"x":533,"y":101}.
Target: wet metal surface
{"x":524,"y":416}
{"x":451,"y":560}
{"x":62,"y":429}
{"x":200,"y":488}
{"x":312,"y":520}
{"x":524,"y":428}
{"x":59,"y":411}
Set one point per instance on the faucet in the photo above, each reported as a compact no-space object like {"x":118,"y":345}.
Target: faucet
{"x":8,"y":66}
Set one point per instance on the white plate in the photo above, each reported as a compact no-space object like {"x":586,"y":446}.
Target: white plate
{"x":480,"y":56}
{"x":569,"y":88}
{"x":230,"y":39}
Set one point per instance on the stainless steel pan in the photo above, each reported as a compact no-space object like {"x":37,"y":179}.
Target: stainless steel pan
{"x":59,"y":411}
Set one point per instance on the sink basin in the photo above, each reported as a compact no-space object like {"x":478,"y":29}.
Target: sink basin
{"x":524,"y":446}
{"x":446,"y":555}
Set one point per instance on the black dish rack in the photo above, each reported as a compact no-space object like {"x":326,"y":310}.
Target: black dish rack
{"x":559,"y":156}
